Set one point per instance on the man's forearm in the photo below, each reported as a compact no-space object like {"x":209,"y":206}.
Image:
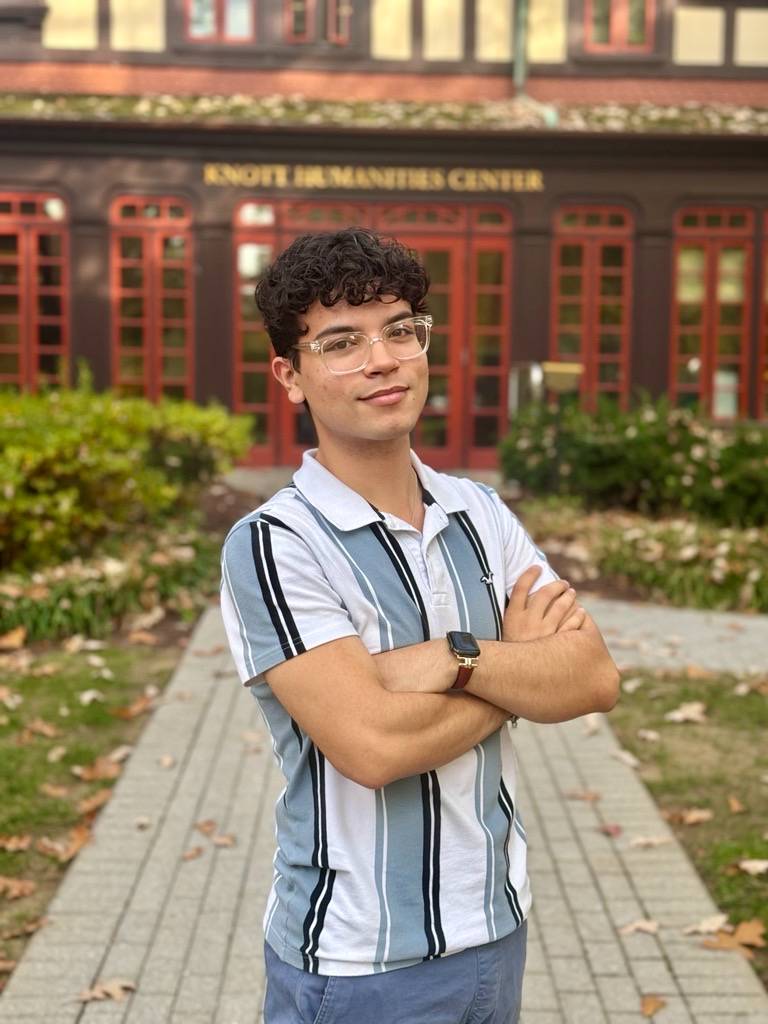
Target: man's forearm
{"x":548,"y":680}
{"x":421,"y":731}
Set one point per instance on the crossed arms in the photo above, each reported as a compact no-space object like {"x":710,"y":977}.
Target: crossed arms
{"x":382,"y":717}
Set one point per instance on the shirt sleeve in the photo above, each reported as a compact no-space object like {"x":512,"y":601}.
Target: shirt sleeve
{"x":520,"y":551}
{"x":276,"y":601}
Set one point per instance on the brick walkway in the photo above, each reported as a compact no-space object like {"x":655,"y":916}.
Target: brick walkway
{"x":188,"y":933}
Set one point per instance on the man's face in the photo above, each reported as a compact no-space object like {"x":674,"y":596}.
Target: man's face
{"x":356,"y":406}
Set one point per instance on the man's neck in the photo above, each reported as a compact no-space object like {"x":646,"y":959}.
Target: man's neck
{"x":382,"y":474}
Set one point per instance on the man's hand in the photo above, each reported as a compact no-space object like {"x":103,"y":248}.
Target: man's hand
{"x":552,"y":609}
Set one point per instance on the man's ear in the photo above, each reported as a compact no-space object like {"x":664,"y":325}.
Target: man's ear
{"x":284,"y":372}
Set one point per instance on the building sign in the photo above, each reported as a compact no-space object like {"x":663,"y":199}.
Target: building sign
{"x":355,"y":177}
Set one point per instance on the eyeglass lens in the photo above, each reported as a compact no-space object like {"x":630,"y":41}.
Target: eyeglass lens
{"x":405,"y":339}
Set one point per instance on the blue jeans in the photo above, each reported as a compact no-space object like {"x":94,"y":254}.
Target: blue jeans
{"x":481,"y":985}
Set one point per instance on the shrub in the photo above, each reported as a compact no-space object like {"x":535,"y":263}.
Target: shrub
{"x":656,"y":459}
{"x":79,"y":467}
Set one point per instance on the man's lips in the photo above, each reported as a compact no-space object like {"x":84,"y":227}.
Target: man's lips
{"x":385,"y":396}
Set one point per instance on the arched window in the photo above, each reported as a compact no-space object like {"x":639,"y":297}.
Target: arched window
{"x":34,"y":290}
{"x":152,"y":297}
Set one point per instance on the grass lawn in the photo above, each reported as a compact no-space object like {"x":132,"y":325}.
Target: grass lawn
{"x":52,"y":701}
{"x":709,"y":766}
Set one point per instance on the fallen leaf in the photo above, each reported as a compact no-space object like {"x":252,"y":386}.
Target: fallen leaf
{"x":650,"y":1005}
{"x":42,"y":728}
{"x":626,"y":757}
{"x":13,"y":640}
{"x":742,"y":689}
{"x":697,"y":672}
{"x":120,"y":754}
{"x":6,"y":966}
{"x":57,"y":792}
{"x":735,"y":805}
{"x":16,"y":888}
{"x":754,"y":867}
{"x":649,"y":735}
{"x":648,"y":842}
{"x":692,"y":711}
{"x":63,"y":850}
{"x":9,"y":698}
{"x":207,"y":827}
{"x":93,"y":803}
{"x":726,"y":940}
{"x":95,"y":661}
{"x":64,"y":711}
{"x":138,"y":707}
{"x":15,"y":844}
{"x":696,"y":815}
{"x":589,"y":795}
{"x":141,"y":636}
{"x":48,"y":668}
{"x":610,"y":830}
{"x":114,"y":989}
{"x":225,"y":839}
{"x":591,"y":724}
{"x":644,"y":925}
{"x":707,"y":926}
{"x":142,"y":822}
{"x":74,"y":644}
{"x":148,"y":619}
{"x":55,"y":754}
{"x":87,"y":697}
{"x":750,"y":933}
{"x":166,"y":761}
{"x":630,"y":685}
{"x":102,"y":768}
{"x":193,"y":854}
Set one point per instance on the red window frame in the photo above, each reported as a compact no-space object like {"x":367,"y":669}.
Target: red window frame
{"x":594,"y":229}
{"x":145,"y":308}
{"x":619,"y":28}
{"x":459,"y":232}
{"x":336,"y":8}
{"x":219,"y":33}
{"x":23,"y":215}
{"x":289,"y":16}
{"x":762,"y":334}
{"x":710,"y":230}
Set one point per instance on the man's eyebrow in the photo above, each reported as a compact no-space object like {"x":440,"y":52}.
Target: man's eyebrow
{"x":346,"y":329}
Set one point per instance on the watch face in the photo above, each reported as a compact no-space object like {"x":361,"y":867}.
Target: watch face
{"x":464,"y":644}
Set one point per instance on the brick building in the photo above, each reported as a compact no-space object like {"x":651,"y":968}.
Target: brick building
{"x":585,"y":179}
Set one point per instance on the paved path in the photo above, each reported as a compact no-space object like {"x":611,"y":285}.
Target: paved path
{"x":188,"y":933}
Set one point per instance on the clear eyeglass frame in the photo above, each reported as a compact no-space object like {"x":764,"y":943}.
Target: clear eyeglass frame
{"x":319,"y":346}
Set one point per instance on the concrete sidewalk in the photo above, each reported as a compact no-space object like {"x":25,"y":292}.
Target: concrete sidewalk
{"x":188,"y":934}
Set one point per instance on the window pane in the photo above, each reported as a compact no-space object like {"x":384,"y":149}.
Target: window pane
{"x":611,"y":314}
{"x":486,"y":431}
{"x":432,"y":431}
{"x":438,"y":265}
{"x":131,"y":277}
{"x":608,"y":373}
{"x":174,"y":337}
{"x":49,"y":334}
{"x":571,"y":255}
{"x":601,"y":21}
{"x":131,"y":248}
{"x":49,"y":245}
{"x":9,"y":274}
{"x":132,"y":306}
{"x":252,"y":259}
{"x":9,"y":305}
{"x":174,"y":309}
{"x":174,"y":366}
{"x":9,"y":334}
{"x":570,"y":284}
{"x":443,"y":29}
{"x":609,"y":344}
{"x":50,"y":363}
{"x":174,"y":248}
{"x":568,"y":344}
{"x":487,"y":391}
{"x":611,"y":285}
{"x":437,"y":396}
{"x":131,"y":337}
{"x":131,"y":366}
{"x":9,"y":363}
{"x":725,"y":401}
{"x":438,"y":349}
{"x":569,"y":313}
{"x":612,"y":256}
{"x":636,"y":35}
{"x":254,"y":387}
{"x":9,"y":244}
{"x":729,"y":344}
{"x":731,"y":265}
{"x":488,"y":350}
{"x":257,"y":213}
{"x":690,"y":315}
{"x":490,"y":268}
{"x":237,"y":19}
{"x":689,"y":344}
{"x":256,"y":346}
{"x":438,"y":307}
{"x":48,"y":276}
{"x":174,"y":277}
{"x":488,"y":309}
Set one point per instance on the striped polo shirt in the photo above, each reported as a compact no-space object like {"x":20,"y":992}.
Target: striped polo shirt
{"x":372,"y":880}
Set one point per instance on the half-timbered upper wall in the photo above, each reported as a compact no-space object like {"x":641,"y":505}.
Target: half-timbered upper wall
{"x":71,"y":25}
{"x":137,"y":25}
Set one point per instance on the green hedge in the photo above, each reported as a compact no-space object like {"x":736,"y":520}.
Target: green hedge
{"x":78,"y":468}
{"x":656,"y":459}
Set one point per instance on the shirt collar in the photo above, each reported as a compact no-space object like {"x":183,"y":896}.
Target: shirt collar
{"x":347,"y":509}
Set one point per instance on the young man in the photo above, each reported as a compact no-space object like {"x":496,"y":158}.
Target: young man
{"x":390,"y":620}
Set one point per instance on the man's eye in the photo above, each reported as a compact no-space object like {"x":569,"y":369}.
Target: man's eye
{"x":404,"y":330}
{"x":341,"y":345}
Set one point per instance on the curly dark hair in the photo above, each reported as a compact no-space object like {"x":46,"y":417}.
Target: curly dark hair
{"x":353,"y":264}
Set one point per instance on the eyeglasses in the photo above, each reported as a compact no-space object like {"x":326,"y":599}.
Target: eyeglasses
{"x":347,"y":353}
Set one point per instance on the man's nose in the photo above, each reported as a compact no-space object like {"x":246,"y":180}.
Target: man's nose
{"x":380,"y":357}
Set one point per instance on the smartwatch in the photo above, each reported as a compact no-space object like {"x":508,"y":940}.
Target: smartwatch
{"x":467,"y":652}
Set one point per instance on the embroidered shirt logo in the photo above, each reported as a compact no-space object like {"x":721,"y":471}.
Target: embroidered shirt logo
{"x":487,"y":578}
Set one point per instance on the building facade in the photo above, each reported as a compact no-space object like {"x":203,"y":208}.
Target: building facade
{"x":153,"y":160}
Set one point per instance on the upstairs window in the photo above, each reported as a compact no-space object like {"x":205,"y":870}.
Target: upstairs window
{"x":618,"y":26}
{"x":311,"y":21}
{"x":223,"y":21}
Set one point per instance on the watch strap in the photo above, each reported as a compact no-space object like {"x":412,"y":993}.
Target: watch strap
{"x":462,"y":677}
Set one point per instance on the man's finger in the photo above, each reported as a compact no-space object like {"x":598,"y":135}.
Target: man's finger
{"x":575,"y":620}
{"x":520,"y":590}
{"x":544,"y":596}
{"x":561,"y":607}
